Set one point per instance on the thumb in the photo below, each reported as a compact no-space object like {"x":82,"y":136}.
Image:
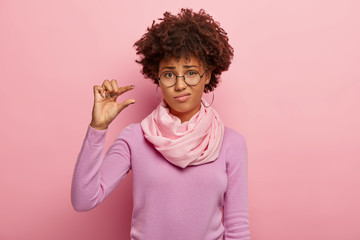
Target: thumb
{"x":124,"y":104}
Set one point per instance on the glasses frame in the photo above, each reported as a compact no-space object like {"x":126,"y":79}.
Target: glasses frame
{"x":183,"y":76}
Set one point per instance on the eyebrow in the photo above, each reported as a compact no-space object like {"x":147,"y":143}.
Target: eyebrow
{"x":185,"y":66}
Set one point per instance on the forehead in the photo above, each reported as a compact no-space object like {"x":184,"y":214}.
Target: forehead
{"x":175,"y":62}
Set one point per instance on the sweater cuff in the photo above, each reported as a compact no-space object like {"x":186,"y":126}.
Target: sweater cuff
{"x":95,"y":136}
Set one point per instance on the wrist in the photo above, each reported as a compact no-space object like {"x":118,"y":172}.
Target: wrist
{"x":98,"y":127}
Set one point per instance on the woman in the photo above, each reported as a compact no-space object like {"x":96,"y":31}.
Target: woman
{"x":187,"y":167}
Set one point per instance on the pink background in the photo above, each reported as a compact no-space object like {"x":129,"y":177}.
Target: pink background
{"x":292,"y":91}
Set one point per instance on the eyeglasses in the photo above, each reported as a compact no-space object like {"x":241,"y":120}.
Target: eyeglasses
{"x":191,"y":78}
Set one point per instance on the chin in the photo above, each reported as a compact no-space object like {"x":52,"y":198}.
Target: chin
{"x":183,"y":108}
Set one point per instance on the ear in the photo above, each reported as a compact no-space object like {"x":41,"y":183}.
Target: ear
{"x":207,"y":77}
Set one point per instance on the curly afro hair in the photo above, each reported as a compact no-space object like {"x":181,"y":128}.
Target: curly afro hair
{"x":183,"y":35}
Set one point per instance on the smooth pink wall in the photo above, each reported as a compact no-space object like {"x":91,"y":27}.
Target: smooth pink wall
{"x":292,"y":91}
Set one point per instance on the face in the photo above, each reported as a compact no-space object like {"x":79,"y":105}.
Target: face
{"x":183,"y":101}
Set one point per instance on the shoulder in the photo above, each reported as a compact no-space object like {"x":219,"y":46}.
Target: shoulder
{"x":233,"y":138}
{"x":131,"y":131}
{"x":234,"y":146}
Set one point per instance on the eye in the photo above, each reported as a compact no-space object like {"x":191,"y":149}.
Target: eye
{"x":191,"y":74}
{"x":168,"y":74}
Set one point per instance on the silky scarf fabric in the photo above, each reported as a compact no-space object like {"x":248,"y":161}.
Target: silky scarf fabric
{"x":193,"y":142}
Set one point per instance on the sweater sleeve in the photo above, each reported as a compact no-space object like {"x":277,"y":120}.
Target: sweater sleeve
{"x":236,"y":217}
{"x":95,"y":175}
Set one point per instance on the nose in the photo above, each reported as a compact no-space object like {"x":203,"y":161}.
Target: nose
{"x":180,"y":83}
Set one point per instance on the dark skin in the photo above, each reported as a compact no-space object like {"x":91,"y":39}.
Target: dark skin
{"x":105,"y":107}
{"x":184,"y":110}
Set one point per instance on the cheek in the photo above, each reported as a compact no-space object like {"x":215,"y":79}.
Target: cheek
{"x":166,"y":94}
{"x":200,"y":90}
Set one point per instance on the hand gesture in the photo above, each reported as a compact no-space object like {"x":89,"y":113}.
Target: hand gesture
{"x":105,"y":107}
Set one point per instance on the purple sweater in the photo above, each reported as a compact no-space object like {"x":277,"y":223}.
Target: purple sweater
{"x":170,"y":203}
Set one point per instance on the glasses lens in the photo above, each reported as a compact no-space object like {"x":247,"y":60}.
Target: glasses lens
{"x":192,"y":77}
{"x":168,"y":78}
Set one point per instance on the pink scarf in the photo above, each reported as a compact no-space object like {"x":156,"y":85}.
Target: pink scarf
{"x":193,"y":142}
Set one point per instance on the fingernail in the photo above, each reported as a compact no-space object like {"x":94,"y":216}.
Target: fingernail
{"x":132,"y":102}
{"x":132,"y":85}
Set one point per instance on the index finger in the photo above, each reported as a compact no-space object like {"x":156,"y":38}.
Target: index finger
{"x":125,"y":89}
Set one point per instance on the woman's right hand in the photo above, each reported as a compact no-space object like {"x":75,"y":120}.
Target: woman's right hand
{"x":105,"y":107}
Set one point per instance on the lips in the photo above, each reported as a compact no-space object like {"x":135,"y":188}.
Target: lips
{"x":182,"y":97}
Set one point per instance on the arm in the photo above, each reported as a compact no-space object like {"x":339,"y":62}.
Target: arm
{"x":236,"y":217}
{"x":95,"y":175}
